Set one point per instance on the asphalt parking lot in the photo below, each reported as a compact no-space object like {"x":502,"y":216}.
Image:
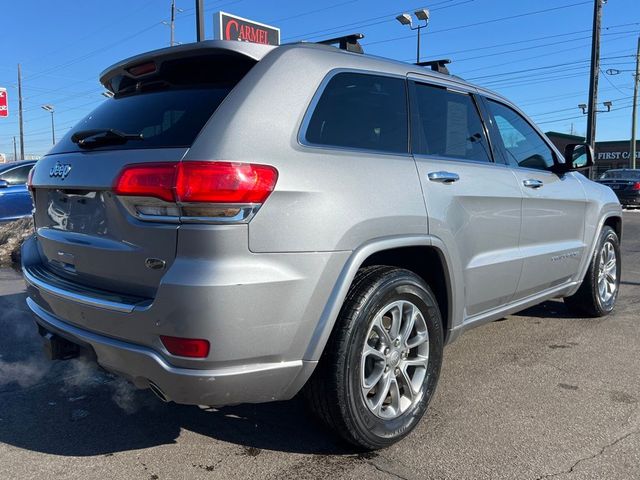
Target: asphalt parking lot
{"x":540,"y":394}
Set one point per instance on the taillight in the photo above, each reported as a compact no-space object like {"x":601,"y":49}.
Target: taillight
{"x":636,"y":186}
{"x":148,"y":180}
{"x":195,"y":191}
{"x":30,"y":179}
{"x":186,"y":347}
{"x":223,"y":182}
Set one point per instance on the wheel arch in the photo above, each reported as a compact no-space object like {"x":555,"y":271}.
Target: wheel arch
{"x":393,"y":251}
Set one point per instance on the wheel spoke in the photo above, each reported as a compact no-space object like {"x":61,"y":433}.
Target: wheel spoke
{"x":382,"y":394}
{"x":408,"y":324}
{"x":394,"y":391}
{"x":382,"y":332}
{"x":396,"y":321}
{"x":416,"y":362}
{"x":404,"y":378}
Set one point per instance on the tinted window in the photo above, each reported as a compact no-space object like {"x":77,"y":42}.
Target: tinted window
{"x":361,"y":111}
{"x":522,"y":144}
{"x":447,"y":124}
{"x":621,"y":174}
{"x":16,"y":176}
{"x":166,"y":118}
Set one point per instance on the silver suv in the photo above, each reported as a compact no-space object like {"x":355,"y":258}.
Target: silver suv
{"x":240,"y":223}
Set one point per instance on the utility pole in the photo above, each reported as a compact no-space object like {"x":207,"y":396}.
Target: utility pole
{"x":199,"y":20}
{"x":632,"y":150}
{"x":172,"y":25}
{"x":15,"y":152}
{"x":20,"y":119}
{"x":595,"y":70}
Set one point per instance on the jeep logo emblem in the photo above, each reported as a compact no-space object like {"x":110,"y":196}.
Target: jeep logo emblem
{"x":60,"y":170}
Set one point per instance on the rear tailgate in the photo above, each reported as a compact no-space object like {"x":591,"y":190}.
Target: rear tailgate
{"x":162,"y":100}
{"x":84,"y":232}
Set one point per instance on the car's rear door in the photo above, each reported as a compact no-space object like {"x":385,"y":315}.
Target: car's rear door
{"x":554,"y":206}
{"x":473,"y":202}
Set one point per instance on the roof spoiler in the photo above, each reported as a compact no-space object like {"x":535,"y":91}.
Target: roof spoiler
{"x":439,"y":66}
{"x":347,"y":42}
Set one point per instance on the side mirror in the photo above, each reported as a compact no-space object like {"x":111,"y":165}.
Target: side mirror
{"x":3,"y":183}
{"x":577,"y":156}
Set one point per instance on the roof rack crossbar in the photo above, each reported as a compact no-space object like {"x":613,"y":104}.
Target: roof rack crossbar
{"x":439,"y":66}
{"x":346,"y":42}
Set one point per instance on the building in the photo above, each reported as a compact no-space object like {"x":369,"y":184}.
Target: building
{"x":608,"y":154}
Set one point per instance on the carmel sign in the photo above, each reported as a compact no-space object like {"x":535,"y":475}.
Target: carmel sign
{"x":232,"y":27}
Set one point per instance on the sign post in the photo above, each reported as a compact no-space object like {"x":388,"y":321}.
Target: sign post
{"x":4,"y":103}
{"x":232,"y":27}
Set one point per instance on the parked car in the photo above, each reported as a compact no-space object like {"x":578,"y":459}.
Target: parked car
{"x":15,"y":200}
{"x":625,"y":183}
{"x":243,"y":222}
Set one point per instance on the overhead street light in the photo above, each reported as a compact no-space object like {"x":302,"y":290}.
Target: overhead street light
{"x":107,"y":94}
{"x":608,"y":104}
{"x":51,"y":110}
{"x":406,"y":19}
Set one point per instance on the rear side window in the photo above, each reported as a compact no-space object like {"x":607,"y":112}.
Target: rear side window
{"x":361,"y":111}
{"x":447,"y":124}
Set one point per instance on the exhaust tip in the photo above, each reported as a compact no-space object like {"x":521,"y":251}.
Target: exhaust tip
{"x":158,"y":392}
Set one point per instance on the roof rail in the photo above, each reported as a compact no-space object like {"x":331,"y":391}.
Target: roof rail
{"x":439,"y":66}
{"x":346,"y":42}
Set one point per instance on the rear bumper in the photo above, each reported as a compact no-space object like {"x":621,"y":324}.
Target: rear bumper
{"x":627,"y":196}
{"x":142,"y":365}
{"x":259,"y":311}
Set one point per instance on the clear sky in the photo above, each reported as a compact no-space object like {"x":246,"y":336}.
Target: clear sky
{"x":535,"y":52}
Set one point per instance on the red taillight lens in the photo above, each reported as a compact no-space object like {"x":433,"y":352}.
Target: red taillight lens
{"x":186,"y":347}
{"x":198,"y":182}
{"x":142,"y":69}
{"x":224,"y":182}
{"x":636,"y":186}
{"x":30,"y":179}
{"x":148,"y":180}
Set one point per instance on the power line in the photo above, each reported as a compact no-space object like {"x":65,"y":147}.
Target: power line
{"x":389,"y":17}
{"x":485,"y":22}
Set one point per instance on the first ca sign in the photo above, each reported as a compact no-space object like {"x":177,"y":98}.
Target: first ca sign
{"x":4,"y":103}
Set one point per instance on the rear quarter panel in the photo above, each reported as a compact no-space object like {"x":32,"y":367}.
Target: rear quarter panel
{"x":325,"y":199}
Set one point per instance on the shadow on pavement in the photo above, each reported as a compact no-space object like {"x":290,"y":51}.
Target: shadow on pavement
{"x":548,"y":309}
{"x":64,"y":408}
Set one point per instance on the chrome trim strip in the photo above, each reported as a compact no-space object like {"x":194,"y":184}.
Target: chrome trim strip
{"x":76,"y":297}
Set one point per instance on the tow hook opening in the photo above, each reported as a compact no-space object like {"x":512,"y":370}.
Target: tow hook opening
{"x":58,"y":348}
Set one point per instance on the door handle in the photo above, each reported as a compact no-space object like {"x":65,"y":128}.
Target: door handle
{"x":443,"y":177}
{"x":532,"y":183}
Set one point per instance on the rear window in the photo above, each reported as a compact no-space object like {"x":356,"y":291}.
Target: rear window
{"x":361,"y":111}
{"x":169,"y":107}
{"x":168,"y":118}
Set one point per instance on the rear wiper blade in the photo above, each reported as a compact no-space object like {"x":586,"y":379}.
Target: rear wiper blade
{"x":95,"y":137}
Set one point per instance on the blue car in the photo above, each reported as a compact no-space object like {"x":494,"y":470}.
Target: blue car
{"x":15,"y":199}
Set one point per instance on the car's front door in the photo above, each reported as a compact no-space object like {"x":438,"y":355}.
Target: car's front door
{"x":554,"y":206}
{"x":473,"y":202}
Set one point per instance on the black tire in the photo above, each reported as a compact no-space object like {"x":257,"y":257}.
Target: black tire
{"x":334,"y":392}
{"x":587,"y":300}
